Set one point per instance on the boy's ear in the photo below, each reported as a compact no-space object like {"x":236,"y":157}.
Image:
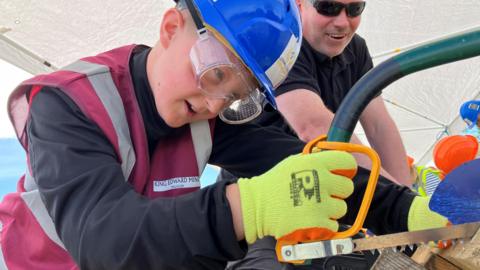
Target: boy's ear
{"x":172,"y":24}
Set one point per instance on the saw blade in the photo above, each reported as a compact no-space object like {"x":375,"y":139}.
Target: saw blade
{"x":326,"y":248}
{"x":466,"y":230}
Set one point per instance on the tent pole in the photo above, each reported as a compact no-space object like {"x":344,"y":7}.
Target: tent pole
{"x":22,"y":50}
{"x":415,"y":112}
{"x":417,"y":44}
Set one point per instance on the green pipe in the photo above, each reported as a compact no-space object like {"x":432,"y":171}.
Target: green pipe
{"x":433,"y":54}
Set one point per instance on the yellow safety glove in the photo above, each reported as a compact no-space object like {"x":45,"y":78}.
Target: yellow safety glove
{"x":420,"y":217}
{"x":301,"y":192}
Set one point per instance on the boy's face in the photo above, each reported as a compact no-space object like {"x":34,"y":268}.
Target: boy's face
{"x":178,"y":98}
{"x":328,"y":35}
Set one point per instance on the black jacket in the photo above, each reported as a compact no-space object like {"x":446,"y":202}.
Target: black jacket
{"x":104,"y":224}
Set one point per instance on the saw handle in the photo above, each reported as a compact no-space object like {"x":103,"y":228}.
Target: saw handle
{"x":319,"y":144}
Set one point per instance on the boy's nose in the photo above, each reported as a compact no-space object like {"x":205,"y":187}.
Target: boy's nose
{"x":215,"y":105}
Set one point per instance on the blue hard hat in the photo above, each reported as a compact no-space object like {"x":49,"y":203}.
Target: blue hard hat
{"x":265,"y":34}
{"x":470,"y":111}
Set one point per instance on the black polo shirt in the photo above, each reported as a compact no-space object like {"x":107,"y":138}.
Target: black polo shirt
{"x":330,"y":78}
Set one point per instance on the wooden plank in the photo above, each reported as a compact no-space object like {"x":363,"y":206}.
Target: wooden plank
{"x":395,"y":260}
{"x":437,"y":262}
{"x":461,"y":256}
{"x":466,"y":255}
{"x":422,"y":255}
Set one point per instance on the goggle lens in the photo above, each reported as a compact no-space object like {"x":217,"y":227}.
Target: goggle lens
{"x":243,"y":110}
{"x":224,"y":82}
{"x":220,"y":74}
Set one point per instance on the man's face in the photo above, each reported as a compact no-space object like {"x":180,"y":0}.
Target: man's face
{"x":328,"y":35}
{"x":178,"y":98}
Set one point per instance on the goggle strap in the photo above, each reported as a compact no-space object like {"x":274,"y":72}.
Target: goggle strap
{"x":196,"y":17}
{"x":202,"y":33}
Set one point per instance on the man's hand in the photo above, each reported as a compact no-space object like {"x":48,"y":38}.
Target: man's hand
{"x":301,"y":192}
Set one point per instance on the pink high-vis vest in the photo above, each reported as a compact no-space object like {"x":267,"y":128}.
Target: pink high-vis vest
{"x":102,"y":88}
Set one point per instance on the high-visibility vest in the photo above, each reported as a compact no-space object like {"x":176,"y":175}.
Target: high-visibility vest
{"x":102,"y":88}
{"x":427,"y":180}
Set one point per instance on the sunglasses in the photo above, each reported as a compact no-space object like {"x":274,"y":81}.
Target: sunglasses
{"x":334,"y":8}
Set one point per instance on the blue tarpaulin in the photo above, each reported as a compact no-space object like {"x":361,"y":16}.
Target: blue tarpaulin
{"x":457,"y":197}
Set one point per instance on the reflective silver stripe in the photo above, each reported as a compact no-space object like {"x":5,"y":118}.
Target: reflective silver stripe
{"x":431,"y":182}
{"x":102,"y":82}
{"x":202,"y":142}
{"x":29,"y":183}
{"x":2,"y":261}
{"x":35,"y":204}
{"x":33,"y":201}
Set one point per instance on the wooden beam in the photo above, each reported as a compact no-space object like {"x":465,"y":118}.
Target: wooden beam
{"x":395,"y":260}
{"x":466,"y":255}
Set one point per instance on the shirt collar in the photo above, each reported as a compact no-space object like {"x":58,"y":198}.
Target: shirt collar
{"x":155,"y":126}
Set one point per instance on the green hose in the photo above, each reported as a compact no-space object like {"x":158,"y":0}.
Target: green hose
{"x":433,"y":54}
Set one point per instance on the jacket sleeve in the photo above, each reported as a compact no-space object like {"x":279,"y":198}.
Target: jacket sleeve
{"x":249,"y":150}
{"x":102,"y":221}
{"x":388,"y":211}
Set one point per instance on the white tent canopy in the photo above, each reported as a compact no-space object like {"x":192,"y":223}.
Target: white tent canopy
{"x":424,"y":105}
{"x":40,"y":36}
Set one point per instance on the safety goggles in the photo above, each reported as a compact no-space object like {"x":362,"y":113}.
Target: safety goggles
{"x":221,"y":75}
{"x":334,"y":8}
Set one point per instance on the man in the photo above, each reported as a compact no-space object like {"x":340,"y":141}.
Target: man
{"x":332,"y":59}
{"x":116,"y":143}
